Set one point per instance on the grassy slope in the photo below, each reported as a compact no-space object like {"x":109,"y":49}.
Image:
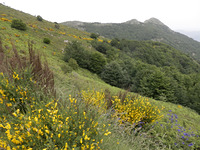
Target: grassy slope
{"x":75,"y":81}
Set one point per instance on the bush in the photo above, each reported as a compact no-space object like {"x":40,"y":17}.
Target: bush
{"x":57,"y":26}
{"x":136,"y":111}
{"x":46,"y":40}
{"x":18,"y":24}
{"x":94,"y":36}
{"x":73,"y":64}
{"x":66,"y":68}
{"x":39,"y":18}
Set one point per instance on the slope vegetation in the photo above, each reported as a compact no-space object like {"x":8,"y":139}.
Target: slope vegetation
{"x":32,"y":118}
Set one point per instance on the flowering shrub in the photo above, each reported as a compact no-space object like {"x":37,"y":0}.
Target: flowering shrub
{"x":96,"y":99}
{"x":135,"y":111}
{"x":3,"y":28}
{"x":5,"y":19}
{"x":17,"y":35}
{"x":63,"y":33}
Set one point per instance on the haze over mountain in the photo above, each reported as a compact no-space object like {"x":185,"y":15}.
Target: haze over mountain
{"x":193,"y":34}
{"x":152,"y":29}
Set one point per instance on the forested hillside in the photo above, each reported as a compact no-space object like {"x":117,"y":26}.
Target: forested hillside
{"x":151,"y":29}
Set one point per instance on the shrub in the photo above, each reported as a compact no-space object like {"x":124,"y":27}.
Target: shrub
{"x":46,"y":40}
{"x":39,"y":18}
{"x":94,"y":36}
{"x":73,"y":64}
{"x":135,"y":111}
{"x":66,"y":68}
{"x":57,"y":26}
{"x":18,"y":24}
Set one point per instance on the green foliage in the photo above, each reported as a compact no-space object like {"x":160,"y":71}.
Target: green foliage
{"x":97,"y":62}
{"x":102,"y":47}
{"x":18,"y":24}
{"x":46,"y":41}
{"x":76,"y":51}
{"x":115,"y":42}
{"x":85,"y":59}
{"x":94,"y":35}
{"x":39,"y":18}
{"x":115,"y":75}
{"x":57,"y":26}
{"x":73,"y":64}
{"x":155,"y":84}
{"x":66,"y":68}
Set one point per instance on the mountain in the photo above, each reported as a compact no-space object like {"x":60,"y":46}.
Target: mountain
{"x":152,"y":29}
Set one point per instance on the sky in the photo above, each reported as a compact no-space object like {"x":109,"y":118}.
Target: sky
{"x":176,"y":14}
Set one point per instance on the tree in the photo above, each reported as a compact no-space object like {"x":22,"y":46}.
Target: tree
{"x":115,"y":75}
{"x":156,"y":85}
{"x":39,"y":18}
{"x":57,"y":26}
{"x":97,"y":62}
{"x":76,"y":51}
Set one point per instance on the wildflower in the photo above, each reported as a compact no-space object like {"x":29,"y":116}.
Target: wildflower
{"x":1,"y":101}
{"x":190,"y":144}
{"x":107,"y":133}
{"x":59,"y":135}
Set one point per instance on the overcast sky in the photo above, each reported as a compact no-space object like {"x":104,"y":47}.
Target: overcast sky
{"x":176,"y":14}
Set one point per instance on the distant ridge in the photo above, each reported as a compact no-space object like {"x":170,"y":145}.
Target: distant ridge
{"x":133,"y":21}
{"x":151,"y":29}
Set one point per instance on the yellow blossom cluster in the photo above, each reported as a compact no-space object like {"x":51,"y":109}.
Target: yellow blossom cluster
{"x":95,"y":98}
{"x":5,"y":19}
{"x":17,"y":35}
{"x":135,"y":111}
{"x":3,"y":15}
{"x":83,"y":38}
{"x":33,"y":25}
{"x":3,"y":28}
{"x":63,"y":33}
{"x":49,"y":29}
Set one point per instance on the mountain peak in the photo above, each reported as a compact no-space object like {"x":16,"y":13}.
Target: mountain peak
{"x":133,"y":21}
{"x":154,"y":21}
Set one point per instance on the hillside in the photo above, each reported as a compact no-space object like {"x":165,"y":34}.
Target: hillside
{"x":94,"y":107}
{"x":151,"y":29}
